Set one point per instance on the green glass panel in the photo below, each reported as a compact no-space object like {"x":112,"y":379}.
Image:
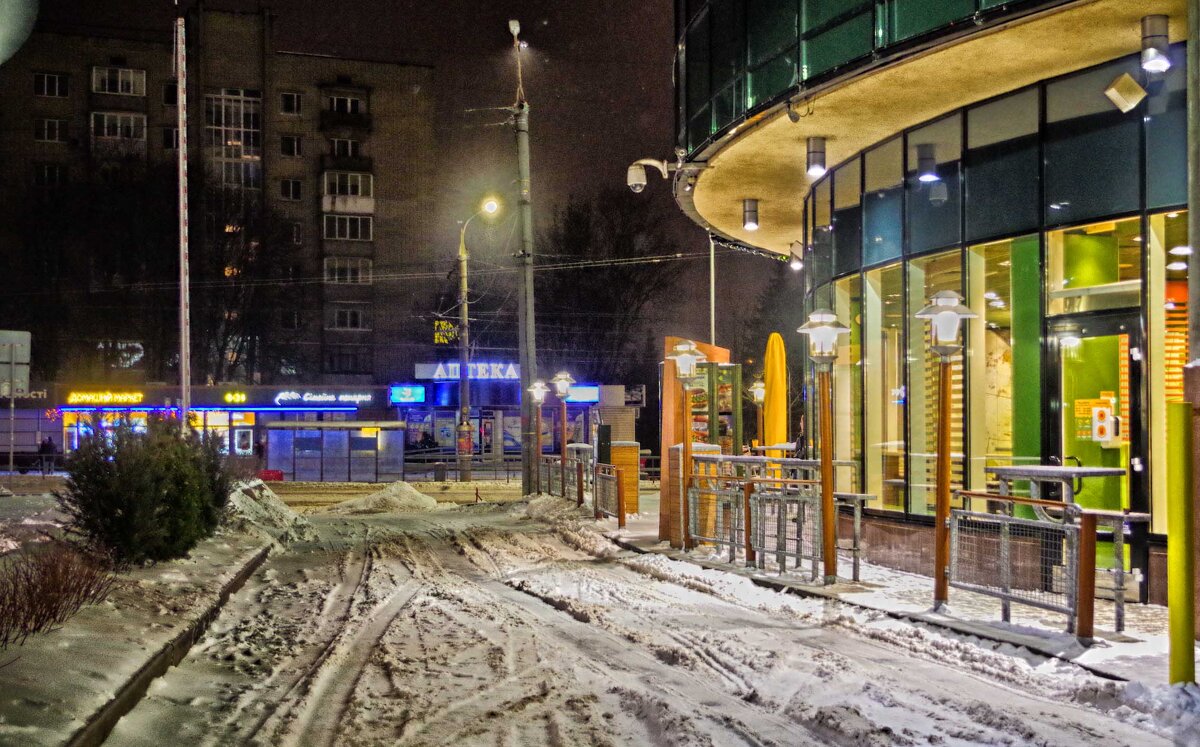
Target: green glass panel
{"x":772,"y":79}
{"x":770,"y":26}
{"x":1026,"y":334}
{"x":908,"y":18}
{"x":837,"y":46}
{"x":1091,"y":372}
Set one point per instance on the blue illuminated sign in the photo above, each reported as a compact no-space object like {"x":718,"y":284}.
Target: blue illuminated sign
{"x":584,"y":394}
{"x":406,"y":394}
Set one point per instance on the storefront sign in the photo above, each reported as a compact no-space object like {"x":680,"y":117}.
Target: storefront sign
{"x":235,"y":398}
{"x":406,"y":394}
{"x":318,"y":398}
{"x":448,"y":371}
{"x":105,"y":398}
{"x":584,"y":394}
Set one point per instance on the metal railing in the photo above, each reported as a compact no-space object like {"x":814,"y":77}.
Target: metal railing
{"x":1044,"y":560}
{"x":786,"y":523}
{"x":608,"y":493}
{"x":550,"y":474}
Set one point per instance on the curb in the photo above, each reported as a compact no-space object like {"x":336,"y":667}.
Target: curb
{"x":922,"y":618}
{"x":101,"y":722}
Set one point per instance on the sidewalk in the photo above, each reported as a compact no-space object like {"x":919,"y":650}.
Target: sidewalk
{"x":1139,"y":653}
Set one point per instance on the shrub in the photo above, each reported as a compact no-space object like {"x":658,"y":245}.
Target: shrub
{"x":42,"y":587}
{"x":144,"y":495}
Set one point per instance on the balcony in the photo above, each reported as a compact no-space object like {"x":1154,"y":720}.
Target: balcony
{"x":346,"y":163}
{"x":345,"y":121}
{"x":348,"y":204}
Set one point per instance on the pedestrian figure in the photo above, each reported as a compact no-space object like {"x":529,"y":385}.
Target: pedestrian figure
{"x":46,"y":452}
{"x":260,"y":452}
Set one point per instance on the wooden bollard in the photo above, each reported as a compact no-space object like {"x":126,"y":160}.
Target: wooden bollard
{"x":747,"y":489}
{"x":579,"y":483}
{"x":1085,"y":589}
{"x":620,"y":497}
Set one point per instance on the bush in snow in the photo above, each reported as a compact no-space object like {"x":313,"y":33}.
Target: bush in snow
{"x":144,"y":495}
{"x":42,"y":587}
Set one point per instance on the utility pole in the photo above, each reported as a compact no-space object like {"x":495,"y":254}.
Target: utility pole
{"x":185,"y":321}
{"x":465,"y":440}
{"x":525,"y":311}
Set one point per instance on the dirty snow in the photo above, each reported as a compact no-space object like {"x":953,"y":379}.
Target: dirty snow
{"x":255,"y":509}
{"x":396,"y":497}
{"x":481,"y":625}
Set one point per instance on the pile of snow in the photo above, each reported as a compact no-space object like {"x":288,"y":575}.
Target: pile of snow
{"x":396,"y":497}
{"x":255,"y":509}
{"x":1172,"y":710}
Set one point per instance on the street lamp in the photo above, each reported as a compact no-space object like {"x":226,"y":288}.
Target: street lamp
{"x":823,"y":329}
{"x":945,"y":313}
{"x":686,"y":356}
{"x":537,"y":391}
{"x":758,"y":393}
{"x":465,"y":442}
{"x":562,"y":382}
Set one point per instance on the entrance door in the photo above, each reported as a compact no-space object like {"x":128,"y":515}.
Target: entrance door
{"x":1096,"y":389}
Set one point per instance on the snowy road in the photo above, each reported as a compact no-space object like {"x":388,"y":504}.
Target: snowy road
{"x":481,"y":626}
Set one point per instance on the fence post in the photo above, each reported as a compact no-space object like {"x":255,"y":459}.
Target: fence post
{"x":579,"y":483}
{"x":747,"y":489}
{"x":620,"y":472}
{"x":596,"y":495}
{"x":1086,"y":565}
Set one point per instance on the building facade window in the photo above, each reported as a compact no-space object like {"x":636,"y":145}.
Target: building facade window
{"x":1093,"y":267}
{"x":348,"y":270}
{"x":289,"y":189}
{"x":118,"y":126}
{"x":50,"y":130}
{"x":290,"y":102}
{"x":49,"y":175}
{"x":350,"y":318}
{"x":170,"y":138}
{"x":348,"y":183}
{"x":884,"y":393}
{"x":345,"y":148}
{"x":290,"y":146}
{"x":346,"y":104}
{"x":52,"y":85}
{"x":122,"y":81}
{"x":347,"y":359}
{"x":289,"y":319}
{"x":170,"y":94}
{"x":233,"y":138}
{"x":349,"y":227}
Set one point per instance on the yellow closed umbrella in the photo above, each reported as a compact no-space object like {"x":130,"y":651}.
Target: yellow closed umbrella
{"x":775,"y":405}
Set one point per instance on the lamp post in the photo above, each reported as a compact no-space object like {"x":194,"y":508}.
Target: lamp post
{"x":465,"y":442}
{"x":537,"y":391}
{"x":686,"y":356}
{"x":823,"y":330}
{"x":758,"y":393}
{"x":945,"y":313}
{"x":562,"y":382}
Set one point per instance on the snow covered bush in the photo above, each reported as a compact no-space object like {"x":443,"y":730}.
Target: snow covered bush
{"x":42,"y":587}
{"x":144,"y":495}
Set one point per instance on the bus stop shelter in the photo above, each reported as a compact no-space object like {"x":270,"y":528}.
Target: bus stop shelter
{"x":337,"y":451}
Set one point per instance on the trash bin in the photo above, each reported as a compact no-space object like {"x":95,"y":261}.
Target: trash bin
{"x":439,"y":471}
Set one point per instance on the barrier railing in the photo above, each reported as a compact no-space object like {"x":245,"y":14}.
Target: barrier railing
{"x":550,"y":474}
{"x":1045,"y":560}
{"x":608,"y":493}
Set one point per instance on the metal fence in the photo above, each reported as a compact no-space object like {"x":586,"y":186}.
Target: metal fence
{"x":715,"y":513}
{"x":550,"y":474}
{"x":786,"y":525}
{"x":608,"y":497}
{"x":1014,"y":559}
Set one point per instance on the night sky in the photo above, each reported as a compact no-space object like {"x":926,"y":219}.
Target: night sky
{"x":598,"y":77}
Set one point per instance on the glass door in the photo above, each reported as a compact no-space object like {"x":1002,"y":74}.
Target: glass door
{"x":1099,"y":403}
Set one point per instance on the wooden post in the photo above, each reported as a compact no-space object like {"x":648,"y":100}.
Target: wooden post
{"x":562,"y":459}
{"x":747,"y":489}
{"x":941,"y":527}
{"x":762,"y":441}
{"x":537,"y":440}
{"x":685,"y":467}
{"x":620,"y":472}
{"x":579,"y":483}
{"x":828,"y":511}
{"x":1085,"y":594}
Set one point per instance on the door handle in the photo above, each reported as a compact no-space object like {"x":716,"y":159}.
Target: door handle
{"x":1078,"y":486}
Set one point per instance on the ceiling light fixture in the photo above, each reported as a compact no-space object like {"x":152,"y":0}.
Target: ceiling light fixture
{"x":750,"y":214}
{"x":1156,"y":47}
{"x":926,"y":163}
{"x":816,"y":157}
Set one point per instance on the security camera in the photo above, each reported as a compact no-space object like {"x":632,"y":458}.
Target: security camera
{"x":635,"y":177}
{"x":792,"y":114}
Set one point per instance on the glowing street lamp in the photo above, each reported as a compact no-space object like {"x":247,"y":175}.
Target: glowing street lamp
{"x":823,"y":330}
{"x":758,"y":393}
{"x":686,"y":356}
{"x":945,"y":313}
{"x":562,"y":382}
{"x":465,"y":443}
{"x":537,"y":391}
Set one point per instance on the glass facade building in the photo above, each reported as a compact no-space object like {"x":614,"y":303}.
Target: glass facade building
{"x":1060,"y":219}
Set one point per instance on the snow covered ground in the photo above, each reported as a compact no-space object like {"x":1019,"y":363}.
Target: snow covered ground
{"x":525,"y":625}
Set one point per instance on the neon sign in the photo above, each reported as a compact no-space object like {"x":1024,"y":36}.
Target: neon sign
{"x":406,"y":394}
{"x":235,"y":398}
{"x":105,"y":398}
{"x":448,"y":371}
{"x":323,"y":398}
